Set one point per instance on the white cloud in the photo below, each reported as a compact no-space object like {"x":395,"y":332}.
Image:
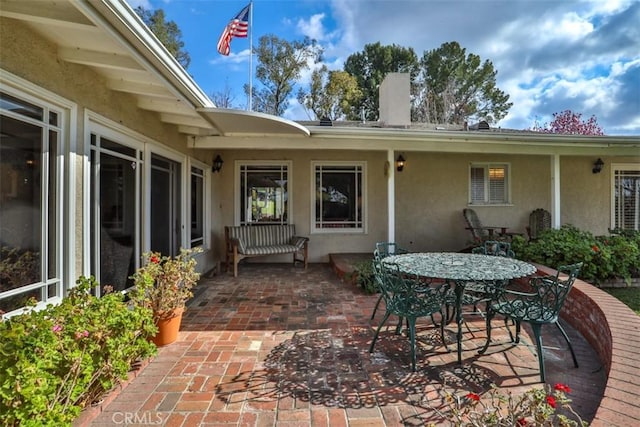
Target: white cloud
{"x":312,"y":28}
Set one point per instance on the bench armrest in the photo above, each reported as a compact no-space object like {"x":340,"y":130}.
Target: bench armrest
{"x":234,"y":242}
{"x":299,"y":241}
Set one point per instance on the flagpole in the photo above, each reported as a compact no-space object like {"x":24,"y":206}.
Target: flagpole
{"x":250,"y":54}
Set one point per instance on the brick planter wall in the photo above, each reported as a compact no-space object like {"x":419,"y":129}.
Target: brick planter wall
{"x":613,"y":330}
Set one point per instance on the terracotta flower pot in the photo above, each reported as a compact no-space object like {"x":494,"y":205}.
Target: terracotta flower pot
{"x":168,"y":327}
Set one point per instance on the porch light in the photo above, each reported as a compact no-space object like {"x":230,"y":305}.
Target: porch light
{"x":597,"y":166}
{"x":400,"y":163}
{"x":217,"y":164}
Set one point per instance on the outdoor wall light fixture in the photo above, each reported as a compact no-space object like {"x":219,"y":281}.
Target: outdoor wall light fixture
{"x":400,"y":163}
{"x":217,"y":164}
{"x":597,"y":166}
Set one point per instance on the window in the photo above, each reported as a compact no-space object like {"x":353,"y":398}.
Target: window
{"x":626,"y":197}
{"x":114,"y":209}
{"x":489,"y":184}
{"x":197,"y":207}
{"x":339,"y":188}
{"x":30,"y":189}
{"x":264,"y":194}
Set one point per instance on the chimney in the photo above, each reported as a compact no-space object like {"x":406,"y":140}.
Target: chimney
{"x":395,"y":102}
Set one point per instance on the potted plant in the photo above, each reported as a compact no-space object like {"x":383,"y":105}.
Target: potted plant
{"x":164,"y":284}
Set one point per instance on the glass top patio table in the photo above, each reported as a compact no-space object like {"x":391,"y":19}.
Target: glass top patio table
{"x":458,"y":269}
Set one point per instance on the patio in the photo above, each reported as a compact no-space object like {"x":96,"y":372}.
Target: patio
{"x":280,"y":345}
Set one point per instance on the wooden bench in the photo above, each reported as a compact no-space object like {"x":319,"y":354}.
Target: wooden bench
{"x":258,"y":240}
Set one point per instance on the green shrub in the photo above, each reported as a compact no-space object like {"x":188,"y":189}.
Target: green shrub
{"x":364,"y":276}
{"x":605,"y":257}
{"x":55,"y":361}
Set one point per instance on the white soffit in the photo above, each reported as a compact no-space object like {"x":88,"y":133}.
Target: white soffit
{"x":248,"y":123}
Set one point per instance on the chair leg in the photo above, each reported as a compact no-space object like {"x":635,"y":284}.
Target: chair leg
{"x":488,"y":318}
{"x":537,"y":333}
{"x":444,"y":341}
{"x":412,"y":335}
{"x":375,"y":309}
{"x":566,"y":337}
{"x":375,"y":336}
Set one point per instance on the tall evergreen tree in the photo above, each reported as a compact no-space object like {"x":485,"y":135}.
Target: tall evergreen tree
{"x":369,"y":67}
{"x":167,"y":32}
{"x":454,"y":87}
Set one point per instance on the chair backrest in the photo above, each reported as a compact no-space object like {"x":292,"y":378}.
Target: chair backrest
{"x":539,"y":221}
{"x":552,"y":291}
{"x":473,"y":223}
{"x":409,"y":296}
{"x":385,"y":249}
{"x":496,"y":248}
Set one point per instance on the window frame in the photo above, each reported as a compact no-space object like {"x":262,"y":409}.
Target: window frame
{"x":363,"y":197}
{"x":486,"y":166}
{"x":615,"y":169}
{"x":51,"y":285}
{"x":206,"y":174}
{"x":287,"y":165}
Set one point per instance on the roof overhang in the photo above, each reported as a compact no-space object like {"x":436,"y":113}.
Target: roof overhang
{"x":247,"y":123}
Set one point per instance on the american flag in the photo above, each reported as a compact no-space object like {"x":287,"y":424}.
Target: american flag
{"x":237,"y":27}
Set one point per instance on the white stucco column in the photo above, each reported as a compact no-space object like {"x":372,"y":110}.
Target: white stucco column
{"x":391,"y":196}
{"x":555,"y":191}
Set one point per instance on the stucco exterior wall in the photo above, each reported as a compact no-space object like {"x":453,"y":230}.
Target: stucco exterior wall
{"x":321,"y":244}
{"x":433,"y":189}
{"x":587,"y":197}
{"x":33,"y":58}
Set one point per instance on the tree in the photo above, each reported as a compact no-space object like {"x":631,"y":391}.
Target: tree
{"x":280,"y":64}
{"x":454,"y":87}
{"x":331,"y":93}
{"x":167,"y":32}
{"x":224,"y":98}
{"x":370,"y":67}
{"x":570,"y":123}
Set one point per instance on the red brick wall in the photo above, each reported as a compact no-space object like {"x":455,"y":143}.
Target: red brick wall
{"x":613,"y":330}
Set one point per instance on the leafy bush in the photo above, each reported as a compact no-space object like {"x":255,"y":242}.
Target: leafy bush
{"x":604,"y":257}
{"x":364,"y":276}
{"x":55,"y":361}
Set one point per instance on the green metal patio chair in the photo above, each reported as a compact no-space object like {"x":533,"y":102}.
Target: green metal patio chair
{"x":409,"y":298}
{"x":477,"y":292}
{"x":383,"y":250}
{"x":540,"y":307}
{"x":494,"y":247}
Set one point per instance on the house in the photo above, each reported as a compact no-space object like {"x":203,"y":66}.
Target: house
{"x":107,"y":147}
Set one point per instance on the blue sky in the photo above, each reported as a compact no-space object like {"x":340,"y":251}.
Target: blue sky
{"x":550,"y":55}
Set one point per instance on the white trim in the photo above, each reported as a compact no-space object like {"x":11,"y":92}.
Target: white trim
{"x":178,"y":157}
{"x":237,"y":184}
{"x":612,"y":182}
{"x":363,"y":198}
{"x":65,"y":180}
{"x":206,"y":202}
{"x":95,"y":123}
{"x":507,"y":201}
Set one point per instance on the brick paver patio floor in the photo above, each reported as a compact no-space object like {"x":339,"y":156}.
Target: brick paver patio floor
{"x":281,"y":345}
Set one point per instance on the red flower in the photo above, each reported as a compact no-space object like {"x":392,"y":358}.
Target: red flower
{"x":551,"y":401}
{"x":154,"y":259}
{"x":595,"y":248}
{"x":521,"y":422}
{"x":562,"y":387}
{"x":473,"y":396}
